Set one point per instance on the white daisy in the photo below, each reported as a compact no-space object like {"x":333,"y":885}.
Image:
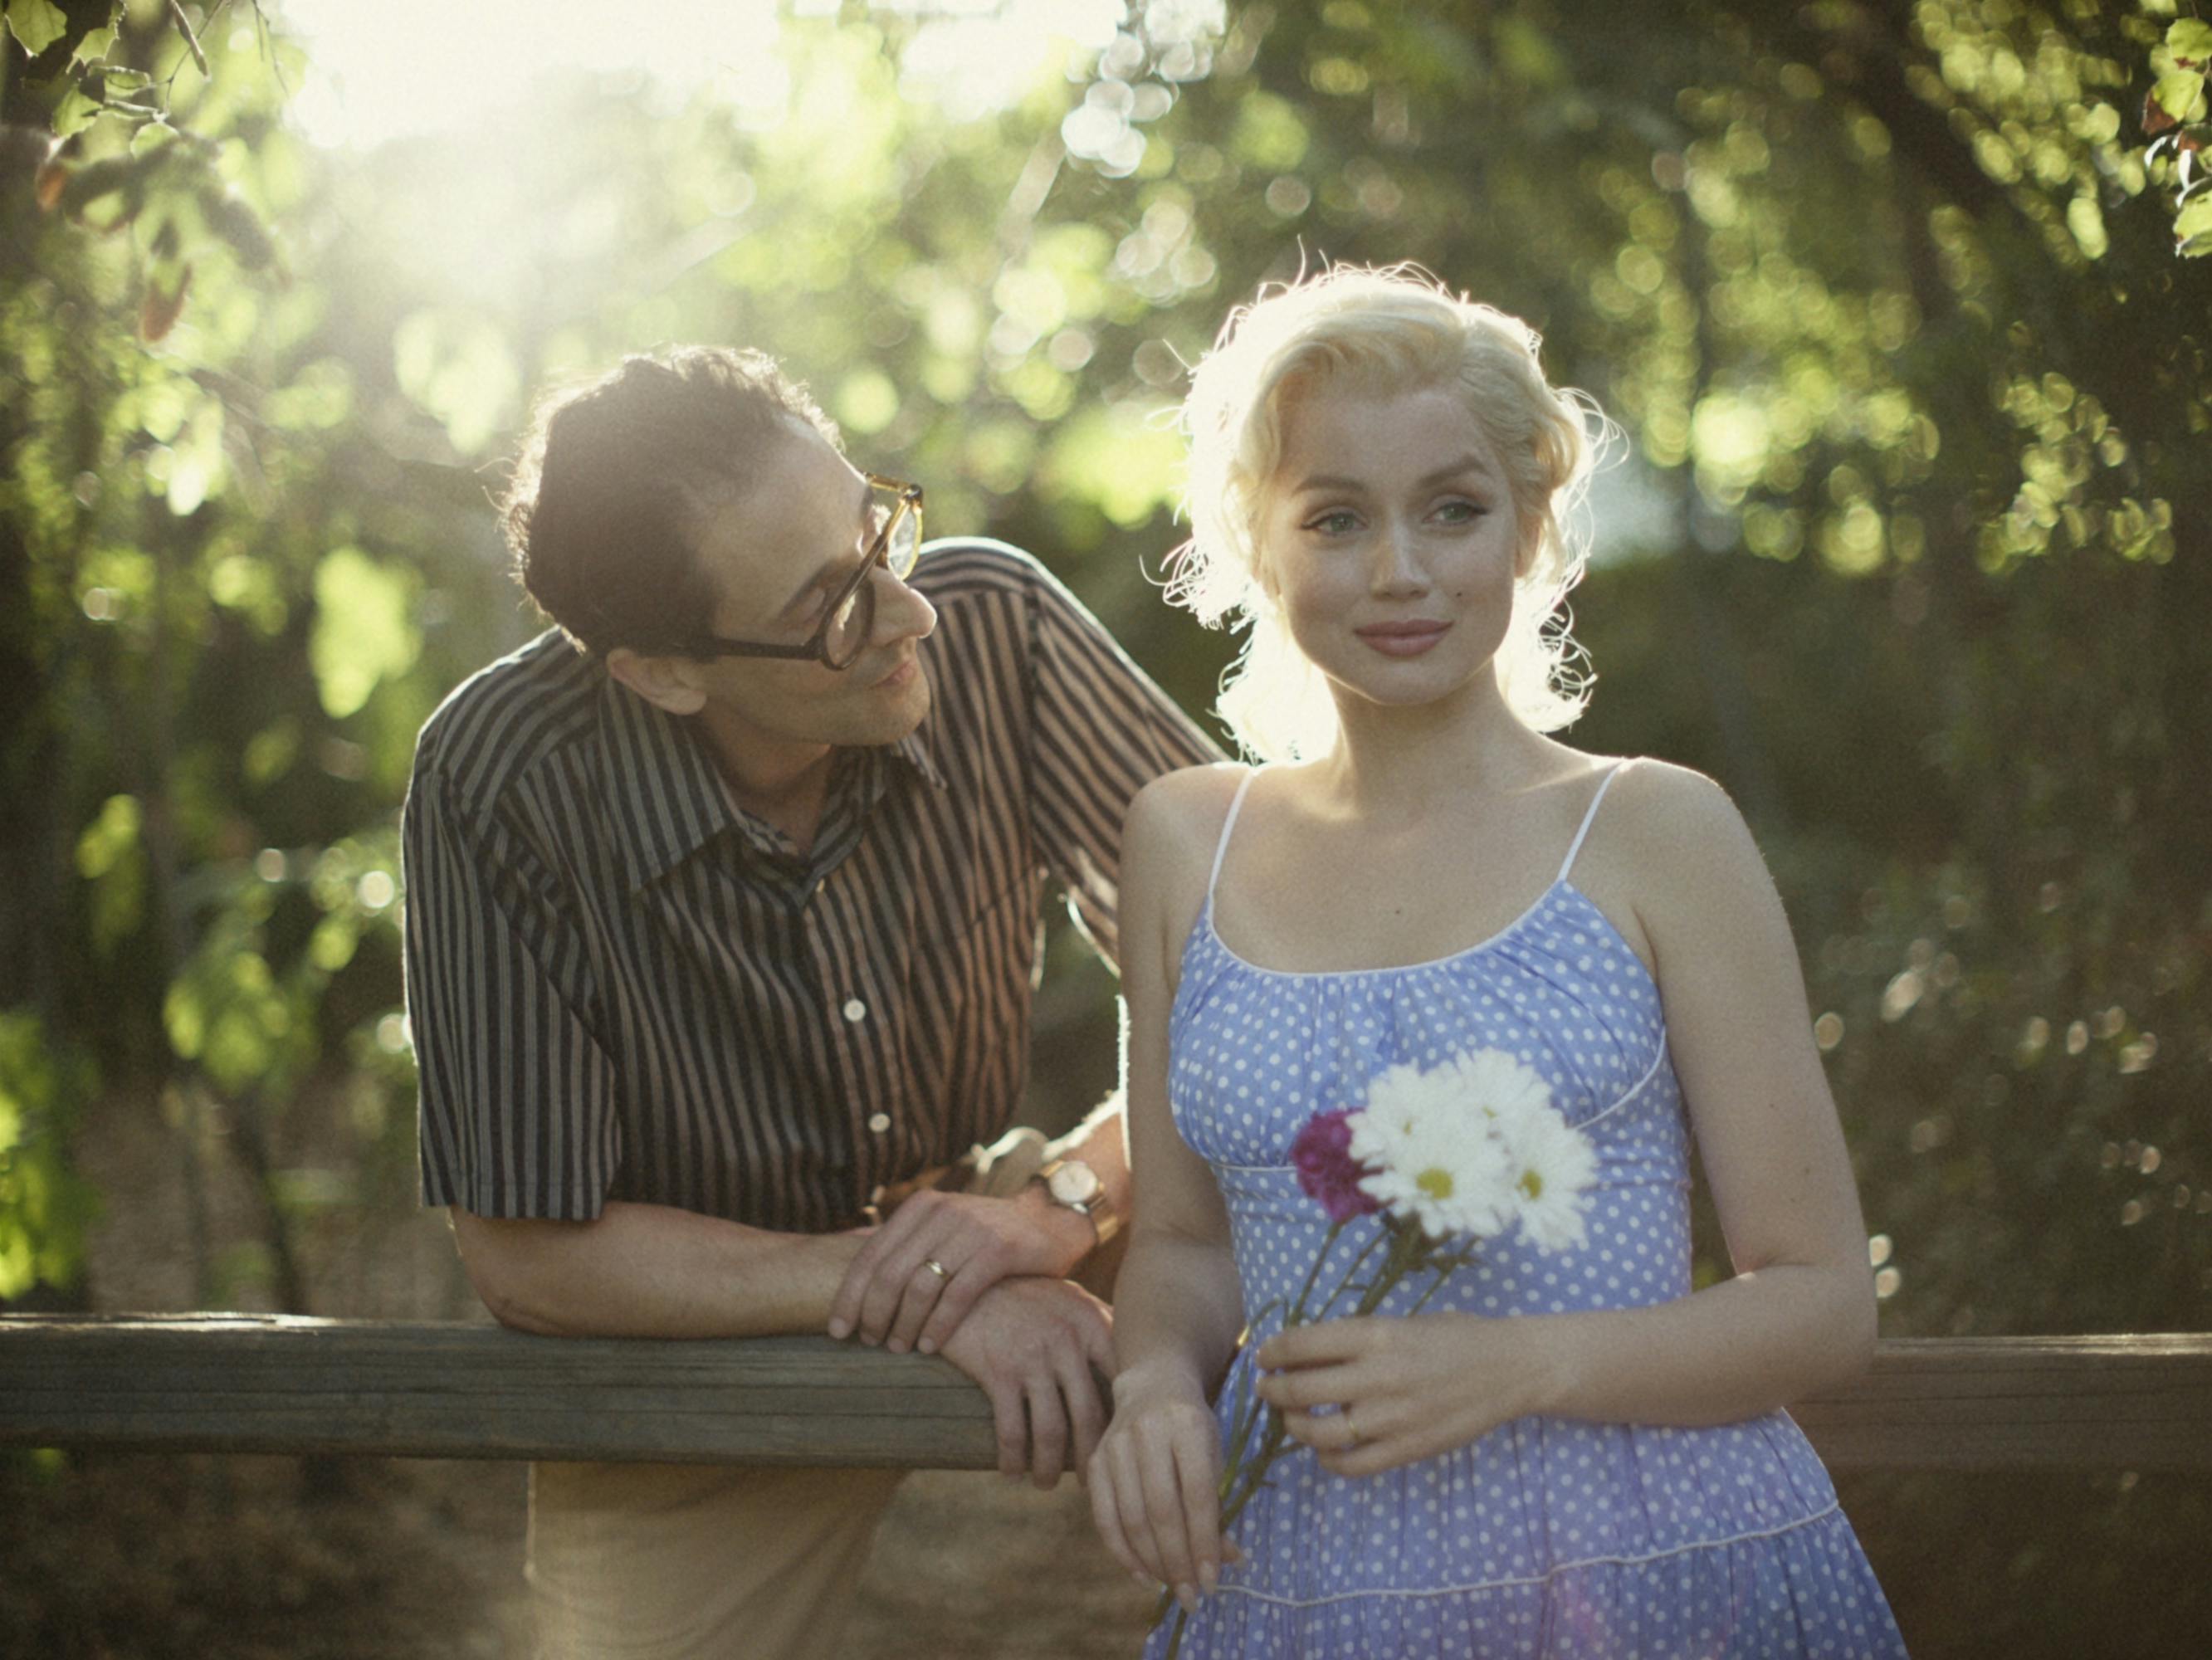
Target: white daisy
{"x":1507,"y":1090}
{"x":1554,"y":1166}
{"x":1434,"y":1152}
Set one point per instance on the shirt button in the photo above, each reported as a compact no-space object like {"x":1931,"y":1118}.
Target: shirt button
{"x":855,"y":1010}
{"x":879,"y":1121}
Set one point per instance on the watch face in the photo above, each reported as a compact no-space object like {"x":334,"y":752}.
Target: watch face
{"x":1074,"y":1183}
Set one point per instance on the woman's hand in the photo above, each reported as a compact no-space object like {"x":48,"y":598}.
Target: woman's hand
{"x":1156,"y":1487}
{"x":1401,"y":1390}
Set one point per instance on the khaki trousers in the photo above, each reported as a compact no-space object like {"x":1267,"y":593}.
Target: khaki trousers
{"x":698,"y":1562}
{"x":721,"y":1562}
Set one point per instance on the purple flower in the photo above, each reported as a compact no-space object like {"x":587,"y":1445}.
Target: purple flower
{"x":1326,"y":1170}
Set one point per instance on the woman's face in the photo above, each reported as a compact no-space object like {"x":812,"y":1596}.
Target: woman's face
{"x":1389,"y":537}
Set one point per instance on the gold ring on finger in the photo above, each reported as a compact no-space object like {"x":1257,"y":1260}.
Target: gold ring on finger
{"x":936,"y":1268}
{"x":1350,"y":1429}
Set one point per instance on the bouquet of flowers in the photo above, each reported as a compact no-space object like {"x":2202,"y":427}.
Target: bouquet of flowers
{"x":1446,"y":1157}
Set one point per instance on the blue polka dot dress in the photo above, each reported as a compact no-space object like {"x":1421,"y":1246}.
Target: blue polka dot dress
{"x":1547,"y":1536}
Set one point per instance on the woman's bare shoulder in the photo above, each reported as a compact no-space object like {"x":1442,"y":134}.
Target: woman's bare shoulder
{"x":1189,"y":806}
{"x":1668,"y":795}
{"x":1661,"y":800}
{"x":1664,"y":837}
{"x":1167,"y":846}
{"x":1679,"y":842}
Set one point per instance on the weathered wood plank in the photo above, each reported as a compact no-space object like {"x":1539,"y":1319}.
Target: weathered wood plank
{"x":2138,"y":1402}
{"x":267,"y":1383}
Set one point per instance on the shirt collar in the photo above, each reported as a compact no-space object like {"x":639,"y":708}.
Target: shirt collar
{"x":668,"y":798}
{"x":664,"y":793}
{"x":915,"y":751}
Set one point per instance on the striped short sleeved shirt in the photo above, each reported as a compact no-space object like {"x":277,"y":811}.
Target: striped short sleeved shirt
{"x":621,"y":986}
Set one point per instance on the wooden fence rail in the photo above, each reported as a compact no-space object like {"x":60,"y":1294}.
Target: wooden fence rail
{"x":227,"y":1382}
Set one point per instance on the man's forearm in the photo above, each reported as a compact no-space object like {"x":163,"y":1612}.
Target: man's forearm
{"x":651,"y":1271}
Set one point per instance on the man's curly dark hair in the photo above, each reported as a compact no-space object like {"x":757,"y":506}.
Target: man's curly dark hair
{"x":615,"y":477}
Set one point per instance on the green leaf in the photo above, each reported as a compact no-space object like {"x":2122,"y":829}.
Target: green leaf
{"x":184,"y":1016}
{"x":2087,"y":221}
{"x":2192,"y":225}
{"x":110,"y":855}
{"x":37,"y":23}
{"x":271,"y":752}
{"x":125,"y":80}
{"x":2191,"y":38}
{"x":363,"y":629}
{"x":94,"y":48}
{"x":74,"y":113}
{"x":109,"y":838}
{"x":333,"y":943}
{"x":2181,"y":95}
{"x":44,"y":1205}
{"x":320,"y":397}
{"x":18,"y":1267}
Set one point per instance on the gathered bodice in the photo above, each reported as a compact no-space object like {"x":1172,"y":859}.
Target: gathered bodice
{"x":1257,"y":1052}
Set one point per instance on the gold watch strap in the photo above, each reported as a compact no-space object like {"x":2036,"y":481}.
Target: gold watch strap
{"x":1105,"y":1221}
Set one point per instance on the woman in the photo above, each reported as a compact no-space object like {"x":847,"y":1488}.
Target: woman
{"x":1562,"y":1454}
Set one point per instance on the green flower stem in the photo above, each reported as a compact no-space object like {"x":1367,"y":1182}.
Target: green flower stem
{"x":1298,"y":1313}
{"x":1444,"y":1267}
{"x":1407,"y":1245}
{"x":1242,"y":1478}
{"x":1247,"y":1418}
{"x":1343,"y":1285}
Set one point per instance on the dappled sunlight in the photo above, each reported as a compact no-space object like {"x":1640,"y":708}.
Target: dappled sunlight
{"x":1905,"y":543}
{"x":374,"y":76}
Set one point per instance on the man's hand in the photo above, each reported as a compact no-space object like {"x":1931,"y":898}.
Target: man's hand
{"x":892,"y":1295}
{"x":1032,"y":1345}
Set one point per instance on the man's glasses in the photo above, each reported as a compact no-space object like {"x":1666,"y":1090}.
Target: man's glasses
{"x":847,"y":621}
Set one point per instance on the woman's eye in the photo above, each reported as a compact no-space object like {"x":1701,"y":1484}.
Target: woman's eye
{"x":1461,"y":513}
{"x":1339,"y":523}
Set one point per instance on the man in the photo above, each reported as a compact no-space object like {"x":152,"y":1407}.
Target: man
{"x":722,"y":911}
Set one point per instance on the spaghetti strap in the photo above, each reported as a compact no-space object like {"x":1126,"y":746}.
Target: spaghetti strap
{"x":1220,"y":848}
{"x":1589,"y":818}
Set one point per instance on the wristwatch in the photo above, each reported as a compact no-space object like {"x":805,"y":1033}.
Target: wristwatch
{"x":1073,"y":1184}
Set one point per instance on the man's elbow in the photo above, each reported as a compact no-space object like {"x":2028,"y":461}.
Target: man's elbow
{"x":503,"y":1277}
{"x":515,"y":1312}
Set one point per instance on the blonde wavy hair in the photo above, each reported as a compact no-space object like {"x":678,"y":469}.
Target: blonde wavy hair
{"x":1398,"y":327}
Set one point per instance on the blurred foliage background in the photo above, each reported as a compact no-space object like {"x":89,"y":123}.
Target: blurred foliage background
{"x":1896,"y":300}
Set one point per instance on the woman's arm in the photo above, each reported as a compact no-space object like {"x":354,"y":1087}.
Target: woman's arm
{"x":1799,"y":1313}
{"x":1177,"y":1307}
